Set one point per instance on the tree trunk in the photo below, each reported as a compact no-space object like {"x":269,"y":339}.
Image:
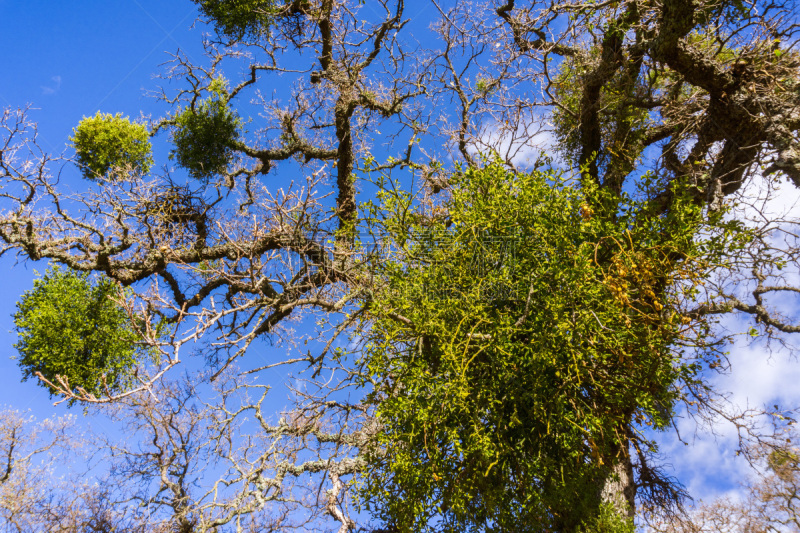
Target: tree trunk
{"x":619,"y":488}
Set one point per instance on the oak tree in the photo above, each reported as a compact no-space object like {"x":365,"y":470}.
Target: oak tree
{"x":657,"y":110}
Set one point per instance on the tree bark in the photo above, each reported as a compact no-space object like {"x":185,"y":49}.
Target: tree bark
{"x":619,"y":488}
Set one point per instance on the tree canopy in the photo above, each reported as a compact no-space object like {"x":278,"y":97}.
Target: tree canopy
{"x":517,"y":340}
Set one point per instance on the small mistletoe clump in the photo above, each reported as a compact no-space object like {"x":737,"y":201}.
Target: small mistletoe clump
{"x":204,"y":136}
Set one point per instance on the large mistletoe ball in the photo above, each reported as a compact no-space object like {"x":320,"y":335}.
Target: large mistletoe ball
{"x":69,"y":326}
{"x":112,"y":147}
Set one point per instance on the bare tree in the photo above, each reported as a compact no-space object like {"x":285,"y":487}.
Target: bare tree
{"x":28,"y":449}
{"x":236,"y":260}
{"x":770,"y":503}
{"x":184,"y":459}
{"x":220,"y":464}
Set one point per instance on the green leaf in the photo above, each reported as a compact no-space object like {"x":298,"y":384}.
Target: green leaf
{"x":237,"y":19}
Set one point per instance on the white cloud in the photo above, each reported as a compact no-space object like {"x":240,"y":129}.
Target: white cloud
{"x":767,"y":198}
{"x":53,"y":89}
{"x":522,"y":145}
{"x":709,"y":464}
{"x":760,"y":377}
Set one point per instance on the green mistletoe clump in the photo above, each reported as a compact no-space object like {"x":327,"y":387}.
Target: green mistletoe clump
{"x":112,"y":147}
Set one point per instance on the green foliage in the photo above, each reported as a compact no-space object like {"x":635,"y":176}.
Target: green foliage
{"x":111,"y":147}
{"x":204,"y":135}
{"x":69,"y":326}
{"x":237,"y":19}
{"x":608,"y":521}
{"x":514,"y":342}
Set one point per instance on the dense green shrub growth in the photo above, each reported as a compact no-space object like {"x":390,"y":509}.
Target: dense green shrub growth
{"x":69,"y":326}
{"x":112,"y":147}
{"x":514,"y":342}
{"x":204,"y":137}
{"x":237,"y":19}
